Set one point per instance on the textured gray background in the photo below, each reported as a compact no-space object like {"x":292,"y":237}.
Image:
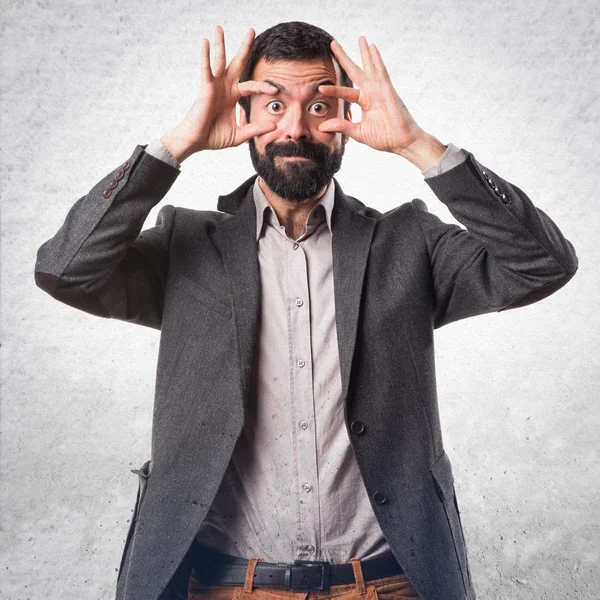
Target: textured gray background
{"x":515,"y":83}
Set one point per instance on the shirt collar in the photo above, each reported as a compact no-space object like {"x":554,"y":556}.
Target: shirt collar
{"x":261,"y":203}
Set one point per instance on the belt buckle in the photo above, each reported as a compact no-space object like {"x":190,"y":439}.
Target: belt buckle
{"x":325,"y":570}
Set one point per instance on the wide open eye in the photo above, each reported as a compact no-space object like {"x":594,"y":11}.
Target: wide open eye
{"x":324,"y":107}
{"x":275,"y":107}
{"x":274,"y":102}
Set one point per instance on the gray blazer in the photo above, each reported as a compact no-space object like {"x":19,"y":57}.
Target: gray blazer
{"x":398,"y":276}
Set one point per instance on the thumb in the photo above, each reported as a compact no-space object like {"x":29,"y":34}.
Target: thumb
{"x":243,"y":134}
{"x":339,"y":126}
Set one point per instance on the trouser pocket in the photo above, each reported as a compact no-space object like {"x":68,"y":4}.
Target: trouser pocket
{"x":396,"y":587}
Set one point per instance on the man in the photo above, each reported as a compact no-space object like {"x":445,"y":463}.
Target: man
{"x":296,"y":442}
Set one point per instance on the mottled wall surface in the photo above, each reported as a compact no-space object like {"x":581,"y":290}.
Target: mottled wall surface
{"x":515,"y":83}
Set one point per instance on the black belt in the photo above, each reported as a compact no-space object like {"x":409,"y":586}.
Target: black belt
{"x":215,"y":568}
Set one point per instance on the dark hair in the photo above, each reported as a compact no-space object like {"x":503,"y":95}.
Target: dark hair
{"x":294,"y":40}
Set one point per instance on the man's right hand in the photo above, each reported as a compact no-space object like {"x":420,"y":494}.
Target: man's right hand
{"x":211,"y":124}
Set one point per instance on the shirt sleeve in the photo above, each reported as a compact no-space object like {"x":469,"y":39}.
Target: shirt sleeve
{"x":157,"y":149}
{"x":452,"y":156}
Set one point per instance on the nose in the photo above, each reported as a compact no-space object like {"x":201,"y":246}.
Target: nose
{"x":295,"y":124}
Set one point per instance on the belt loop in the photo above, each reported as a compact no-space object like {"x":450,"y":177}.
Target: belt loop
{"x":358,"y":576}
{"x":249,"y":581}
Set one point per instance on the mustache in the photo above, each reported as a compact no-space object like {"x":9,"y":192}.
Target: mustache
{"x":306,"y":150}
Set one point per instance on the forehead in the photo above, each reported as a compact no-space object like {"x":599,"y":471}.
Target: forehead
{"x":297,"y":74}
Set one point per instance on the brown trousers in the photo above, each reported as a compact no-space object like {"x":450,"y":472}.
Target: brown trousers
{"x":395,"y":587}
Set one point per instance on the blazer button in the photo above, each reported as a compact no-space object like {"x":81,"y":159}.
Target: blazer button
{"x":379,"y":497}
{"x":120,"y":174}
{"x":126,"y":165}
{"x":107,"y":193}
{"x":113,"y":184}
{"x":357,"y":427}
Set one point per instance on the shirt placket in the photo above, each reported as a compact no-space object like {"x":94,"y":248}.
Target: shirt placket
{"x":301,"y":382}
{"x":303,"y":438}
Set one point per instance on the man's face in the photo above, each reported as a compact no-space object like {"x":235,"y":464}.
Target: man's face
{"x":297,"y":110}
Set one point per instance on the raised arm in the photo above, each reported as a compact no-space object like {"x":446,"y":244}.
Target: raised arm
{"x":510,"y":254}
{"x":99,"y":260}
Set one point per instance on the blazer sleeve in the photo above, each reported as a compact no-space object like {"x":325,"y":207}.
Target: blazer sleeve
{"x":510,"y":255}
{"x":98,"y":261}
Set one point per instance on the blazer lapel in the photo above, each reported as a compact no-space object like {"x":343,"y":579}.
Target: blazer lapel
{"x":352,"y":232}
{"x":237,"y":240}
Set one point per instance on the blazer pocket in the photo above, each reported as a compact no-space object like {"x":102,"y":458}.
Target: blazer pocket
{"x":444,"y":482}
{"x":443,"y":477}
{"x":202,"y":294}
{"x":143,"y":473}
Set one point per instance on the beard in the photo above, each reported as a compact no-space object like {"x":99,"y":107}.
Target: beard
{"x":297,"y":180}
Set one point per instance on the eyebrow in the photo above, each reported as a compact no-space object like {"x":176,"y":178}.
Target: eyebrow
{"x":314,"y":88}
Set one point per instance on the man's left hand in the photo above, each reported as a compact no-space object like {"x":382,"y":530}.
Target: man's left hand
{"x":386,"y":123}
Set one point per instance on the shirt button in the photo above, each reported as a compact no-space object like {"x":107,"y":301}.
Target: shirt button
{"x":310,"y":548}
{"x":306,"y":487}
{"x":295,"y":246}
{"x":301,"y":362}
{"x":299,"y":302}
{"x":303,"y":424}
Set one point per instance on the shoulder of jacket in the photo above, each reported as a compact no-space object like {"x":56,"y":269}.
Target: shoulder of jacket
{"x":205,"y":215}
{"x":419,"y":204}
{"x":192,"y":215}
{"x":403,"y":211}
{"x":368,"y":211}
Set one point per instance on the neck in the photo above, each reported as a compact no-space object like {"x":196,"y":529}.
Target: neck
{"x":290,"y":213}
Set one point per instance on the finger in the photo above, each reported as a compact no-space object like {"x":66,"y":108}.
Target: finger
{"x":341,"y":91}
{"x":340,"y":126}
{"x":378,"y":61}
{"x":219,"y":60}
{"x":248,"y":131}
{"x":236,"y":66}
{"x":365,"y":55}
{"x":205,"y":72}
{"x":354,"y":71}
{"x":246,"y":88}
